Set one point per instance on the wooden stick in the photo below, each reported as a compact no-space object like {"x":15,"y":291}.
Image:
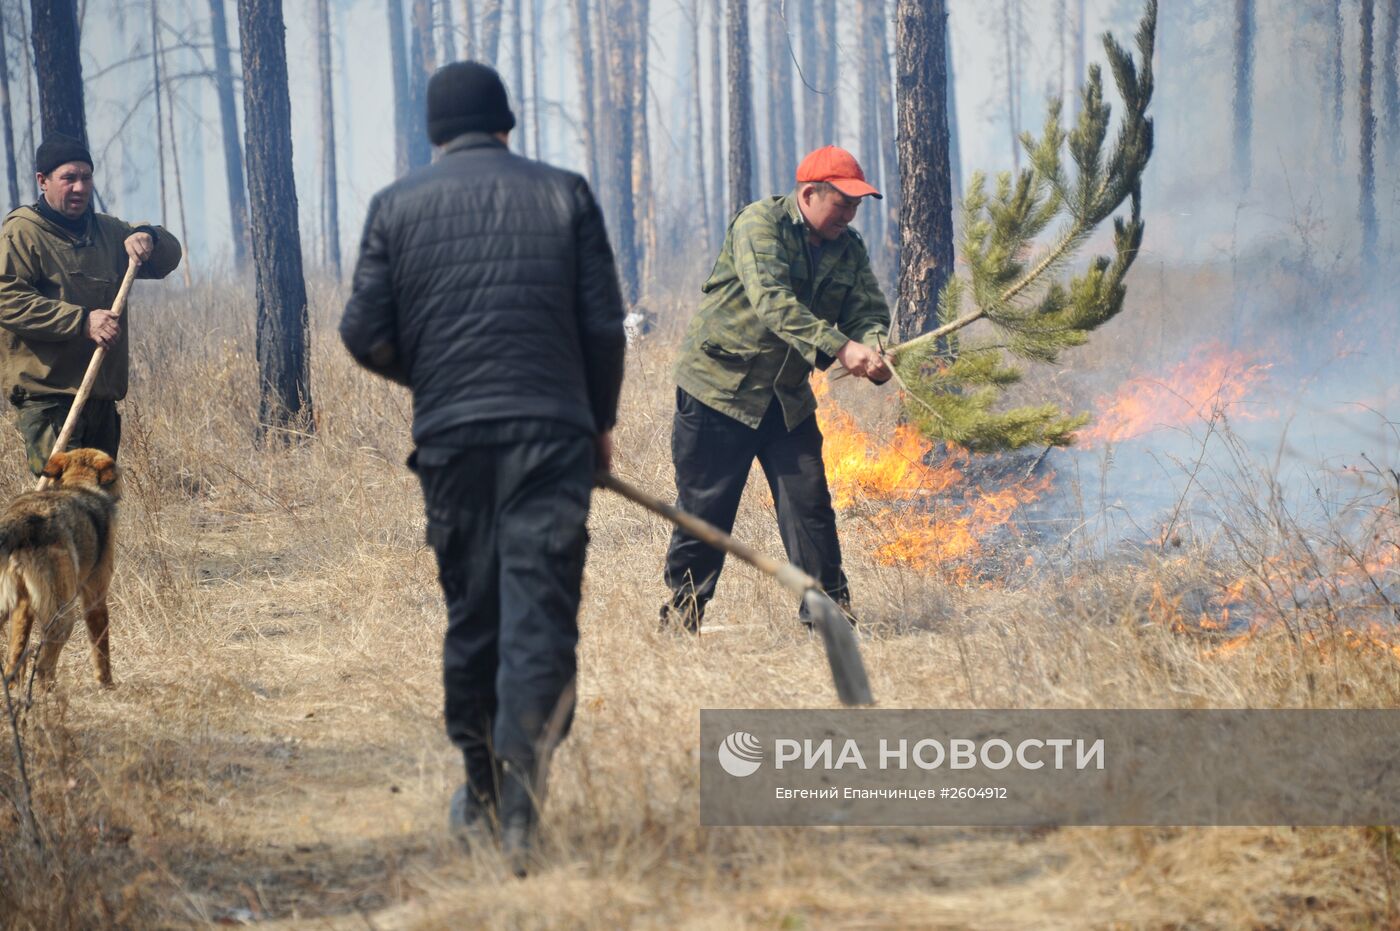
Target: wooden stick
{"x":793,"y":578}
{"x":90,"y":376}
{"x":842,"y":650}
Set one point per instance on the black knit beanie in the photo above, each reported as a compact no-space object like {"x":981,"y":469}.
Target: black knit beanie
{"x":467,"y":97}
{"x":58,"y":149}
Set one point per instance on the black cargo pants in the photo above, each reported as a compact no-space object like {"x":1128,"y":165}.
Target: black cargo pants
{"x":712,"y":454}
{"x":507,"y":523}
{"x":40,"y":421}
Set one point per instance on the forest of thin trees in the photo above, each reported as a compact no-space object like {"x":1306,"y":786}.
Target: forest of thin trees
{"x":679,"y":112}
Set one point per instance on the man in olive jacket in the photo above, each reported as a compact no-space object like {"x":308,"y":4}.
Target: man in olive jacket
{"x":792,"y":290}
{"x":61,"y":265}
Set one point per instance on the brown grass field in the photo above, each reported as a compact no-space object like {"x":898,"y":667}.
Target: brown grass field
{"x":273,"y":750}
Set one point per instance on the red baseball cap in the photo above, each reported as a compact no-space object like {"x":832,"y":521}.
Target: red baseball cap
{"x":835,"y":165}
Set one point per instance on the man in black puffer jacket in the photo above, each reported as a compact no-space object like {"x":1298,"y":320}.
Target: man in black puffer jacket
{"x":486,"y":284}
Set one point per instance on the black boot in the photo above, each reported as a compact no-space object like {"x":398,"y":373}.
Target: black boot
{"x":842,"y":599}
{"x":684,"y":615}
{"x":473,"y":816}
{"x":518,"y":820}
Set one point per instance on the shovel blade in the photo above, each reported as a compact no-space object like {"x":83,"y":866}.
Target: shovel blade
{"x":842,"y":649}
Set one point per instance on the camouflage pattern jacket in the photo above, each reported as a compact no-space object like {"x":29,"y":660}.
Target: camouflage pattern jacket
{"x":769,"y":317}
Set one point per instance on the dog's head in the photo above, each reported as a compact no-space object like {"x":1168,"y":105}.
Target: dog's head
{"x":85,"y":467}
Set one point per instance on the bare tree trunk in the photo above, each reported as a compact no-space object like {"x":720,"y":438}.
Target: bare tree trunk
{"x":697,"y":114}
{"x":174,"y":153}
{"x":1390,"y":83}
{"x":1368,"y":140}
{"x":27,"y":68}
{"x":11,"y":165}
{"x":447,"y":31}
{"x":1062,"y":38}
{"x":740,"y":108}
{"x":536,"y":113}
{"x":869,"y":19}
{"x":330,"y":201}
{"x":583,"y":55}
{"x":954,"y":143}
{"x":831,"y":100}
{"x":719,"y":212}
{"x":808,"y":101}
{"x":889,"y":153}
{"x":398,"y":64}
{"x":58,"y":67}
{"x":1010,"y":41}
{"x":1338,"y":83}
{"x":469,"y":43}
{"x":187,"y":104}
{"x":282,"y":331}
{"x":517,"y":54}
{"x":422,"y":63}
{"x":783,"y":148}
{"x":1081,"y":38}
{"x":926,"y":210}
{"x":179,"y":185}
{"x":641,"y":140}
{"x":605,"y":119}
{"x":233,"y":148}
{"x":618,"y":34}
{"x":155,"y":94}
{"x":1244,"y":91}
{"x":490,"y":31}
{"x":1018,"y":11}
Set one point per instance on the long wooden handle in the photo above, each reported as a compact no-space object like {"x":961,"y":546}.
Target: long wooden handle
{"x":90,"y":376}
{"x":789,"y":575}
{"x":839,"y":640}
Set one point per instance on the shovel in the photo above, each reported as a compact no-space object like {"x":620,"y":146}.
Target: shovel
{"x":90,"y":376}
{"x":842,"y":650}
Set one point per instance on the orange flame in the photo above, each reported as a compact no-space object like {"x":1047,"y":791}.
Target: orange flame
{"x":1233,"y":645}
{"x":1191,"y":391}
{"x":861,"y":468}
{"x":1350,"y":585}
{"x":1375,"y":642}
{"x":927,"y":535}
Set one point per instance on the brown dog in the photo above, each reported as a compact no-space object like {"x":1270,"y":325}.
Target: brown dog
{"x":56,"y":546}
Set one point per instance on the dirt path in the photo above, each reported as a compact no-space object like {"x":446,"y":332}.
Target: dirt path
{"x":273,"y":752}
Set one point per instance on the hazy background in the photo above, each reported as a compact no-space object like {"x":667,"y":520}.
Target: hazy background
{"x":1302,"y":176}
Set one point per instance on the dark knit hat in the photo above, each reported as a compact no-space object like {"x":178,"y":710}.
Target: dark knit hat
{"x":467,"y":97}
{"x":58,"y":149}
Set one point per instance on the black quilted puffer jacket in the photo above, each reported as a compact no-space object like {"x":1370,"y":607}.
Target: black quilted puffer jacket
{"x":486,"y":284}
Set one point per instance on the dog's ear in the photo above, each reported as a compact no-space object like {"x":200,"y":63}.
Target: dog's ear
{"x":54,"y":467}
{"x":107,"y":473}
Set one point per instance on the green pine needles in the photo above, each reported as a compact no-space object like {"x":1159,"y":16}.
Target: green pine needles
{"x":951,"y":388}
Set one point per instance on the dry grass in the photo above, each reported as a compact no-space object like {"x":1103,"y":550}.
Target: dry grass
{"x":273,"y":750}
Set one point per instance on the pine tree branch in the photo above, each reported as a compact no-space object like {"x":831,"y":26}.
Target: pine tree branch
{"x":1013,"y":283}
{"x":1060,"y":251}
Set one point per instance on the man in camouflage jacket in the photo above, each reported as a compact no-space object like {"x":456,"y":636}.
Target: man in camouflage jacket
{"x":792,"y":290}
{"x":61,"y":265}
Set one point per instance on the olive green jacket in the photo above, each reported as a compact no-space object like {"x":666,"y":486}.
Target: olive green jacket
{"x":49,"y":279}
{"x":768,"y":317}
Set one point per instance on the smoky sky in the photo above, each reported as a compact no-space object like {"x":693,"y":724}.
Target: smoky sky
{"x":1195,"y":210}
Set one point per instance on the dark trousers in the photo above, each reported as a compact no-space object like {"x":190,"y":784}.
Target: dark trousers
{"x":712,"y":454}
{"x":507,"y":523}
{"x":40,"y":420}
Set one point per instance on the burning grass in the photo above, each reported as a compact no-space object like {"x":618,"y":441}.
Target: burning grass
{"x":1214,"y":379}
{"x":273,"y":750}
{"x":923,"y":509}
